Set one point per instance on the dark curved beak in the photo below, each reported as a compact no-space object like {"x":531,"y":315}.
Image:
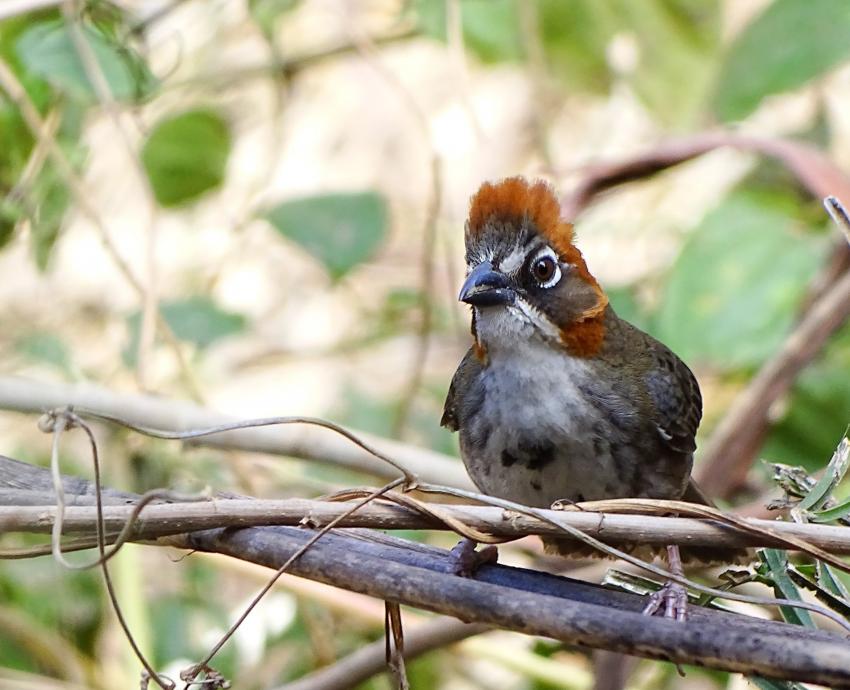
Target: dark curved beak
{"x":486,"y":287}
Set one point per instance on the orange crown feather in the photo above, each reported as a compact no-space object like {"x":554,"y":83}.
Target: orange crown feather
{"x":514,"y":199}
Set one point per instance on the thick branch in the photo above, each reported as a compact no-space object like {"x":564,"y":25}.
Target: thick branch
{"x":298,"y":441}
{"x":540,"y":604}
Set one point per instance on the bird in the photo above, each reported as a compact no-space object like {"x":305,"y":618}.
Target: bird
{"x":558,"y":398}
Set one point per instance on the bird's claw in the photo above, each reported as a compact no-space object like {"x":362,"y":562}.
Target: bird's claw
{"x":671,"y":601}
{"x":465,"y":561}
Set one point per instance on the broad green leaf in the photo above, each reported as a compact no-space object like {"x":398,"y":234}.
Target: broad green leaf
{"x":186,"y":156}
{"x":835,"y":470}
{"x":732,"y":293}
{"x":196,"y":320}
{"x":785,"y":46}
{"x":47,"y":50}
{"x":777,"y":564}
{"x":340,"y":230}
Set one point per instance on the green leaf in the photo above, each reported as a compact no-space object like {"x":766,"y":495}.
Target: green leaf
{"x":777,"y":563}
{"x":490,"y":27}
{"x":9,"y":216}
{"x":196,"y":320}
{"x":186,"y":156}
{"x":788,"y":44}
{"x":50,"y":197}
{"x":832,"y":514}
{"x":732,"y":293}
{"x":818,"y":411}
{"x":267,"y":12}
{"x":835,"y":470}
{"x":771,"y":684}
{"x":48,"y":51}
{"x":340,"y":230}
{"x":825,"y":595}
{"x":45,"y":347}
{"x":199,"y":320}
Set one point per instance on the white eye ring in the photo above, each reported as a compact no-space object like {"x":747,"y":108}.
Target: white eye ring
{"x":541,"y":256}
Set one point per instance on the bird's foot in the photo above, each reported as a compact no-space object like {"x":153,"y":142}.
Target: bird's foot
{"x":465,"y":561}
{"x":671,"y":601}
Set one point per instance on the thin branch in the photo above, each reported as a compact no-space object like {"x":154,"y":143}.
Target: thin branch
{"x":163,"y":519}
{"x":294,"y":441}
{"x":819,"y":175}
{"x":370,"y":660}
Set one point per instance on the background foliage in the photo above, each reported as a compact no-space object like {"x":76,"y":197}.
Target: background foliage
{"x":287,"y":180}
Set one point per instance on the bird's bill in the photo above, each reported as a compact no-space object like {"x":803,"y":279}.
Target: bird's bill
{"x":486,"y":287}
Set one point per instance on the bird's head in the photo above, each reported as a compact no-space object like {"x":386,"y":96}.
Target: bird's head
{"x":525,"y":277}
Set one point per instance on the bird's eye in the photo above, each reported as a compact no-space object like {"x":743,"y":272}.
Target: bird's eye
{"x":544,"y":269}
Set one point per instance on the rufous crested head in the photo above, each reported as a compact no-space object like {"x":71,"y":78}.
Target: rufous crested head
{"x":514,"y":204}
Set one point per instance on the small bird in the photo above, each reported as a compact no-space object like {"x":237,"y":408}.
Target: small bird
{"x":559,"y":398}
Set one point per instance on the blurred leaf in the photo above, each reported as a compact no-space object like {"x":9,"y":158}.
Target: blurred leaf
{"x":677,"y":43}
{"x":199,"y":320}
{"x":9,"y":216}
{"x":45,"y":347}
{"x":267,"y":12}
{"x":817,"y":412}
{"x":490,"y":27}
{"x":196,"y":320}
{"x":788,"y":44}
{"x":674,"y":44}
{"x":777,"y":564}
{"x":186,"y":155}
{"x":50,"y":198}
{"x":627,"y":307}
{"x":340,"y":230}
{"x":47,"y":50}
{"x":732,"y":293}
{"x":832,"y":476}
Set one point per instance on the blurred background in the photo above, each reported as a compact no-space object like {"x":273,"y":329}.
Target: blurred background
{"x":286,"y":182}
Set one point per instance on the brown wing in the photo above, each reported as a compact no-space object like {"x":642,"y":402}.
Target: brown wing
{"x":676,"y":397}
{"x":468,"y":368}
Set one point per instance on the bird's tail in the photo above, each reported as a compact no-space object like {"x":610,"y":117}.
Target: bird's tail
{"x":693,"y":555}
